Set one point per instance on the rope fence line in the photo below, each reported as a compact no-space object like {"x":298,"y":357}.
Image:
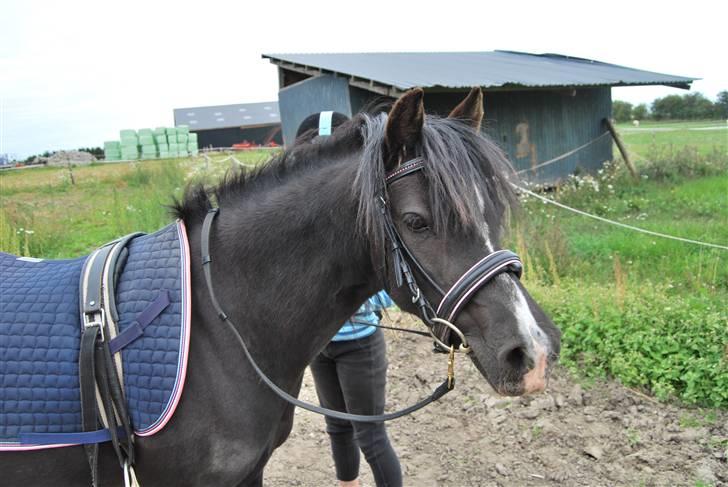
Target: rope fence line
{"x":619,"y":224}
{"x":232,"y":158}
{"x":235,"y":149}
{"x":235,"y":160}
{"x":564,"y":155}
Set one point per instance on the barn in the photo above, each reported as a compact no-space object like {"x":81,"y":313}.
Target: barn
{"x":547,"y":111}
{"x":255,"y":124}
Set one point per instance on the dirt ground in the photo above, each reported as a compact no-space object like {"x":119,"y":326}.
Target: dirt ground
{"x":589,"y":433}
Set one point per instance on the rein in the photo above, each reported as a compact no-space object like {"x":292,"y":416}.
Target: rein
{"x":441,"y":390}
{"x":440,"y":328}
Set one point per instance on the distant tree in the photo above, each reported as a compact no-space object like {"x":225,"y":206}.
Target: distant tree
{"x":668,"y":107}
{"x":621,"y":111}
{"x":97,"y":152}
{"x":720,"y":107}
{"x":687,"y":107}
{"x":697,"y":106}
{"x":30,"y":159}
{"x":640,"y":112}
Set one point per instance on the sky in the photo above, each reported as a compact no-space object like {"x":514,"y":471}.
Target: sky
{"x":73,"y":73}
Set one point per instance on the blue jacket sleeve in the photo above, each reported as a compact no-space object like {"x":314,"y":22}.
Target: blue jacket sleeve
{"x":381,"y":300}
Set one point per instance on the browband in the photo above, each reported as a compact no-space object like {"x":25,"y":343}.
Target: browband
{"x":404,"y":170}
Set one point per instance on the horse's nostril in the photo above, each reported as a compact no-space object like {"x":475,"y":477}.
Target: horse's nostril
{"x":519,"y":358}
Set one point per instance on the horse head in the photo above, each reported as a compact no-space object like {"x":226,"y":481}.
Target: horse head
{"x":447,"y":195}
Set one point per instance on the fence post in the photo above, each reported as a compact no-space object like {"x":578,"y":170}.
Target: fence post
{"x":622,"y":149}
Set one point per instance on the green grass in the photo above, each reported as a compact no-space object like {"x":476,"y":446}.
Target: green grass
{"x":42,"y":214}
{"x":672,"y":124}
{"x":652,"y":139}
{"x":695,"y":209}
{"x":646,"y":334}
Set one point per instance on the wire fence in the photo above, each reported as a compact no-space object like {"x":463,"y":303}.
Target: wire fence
{"x":228,"y":158}
{"x":597,"y":217}
{"x":616,"y":223}
{"x":564,"y":155}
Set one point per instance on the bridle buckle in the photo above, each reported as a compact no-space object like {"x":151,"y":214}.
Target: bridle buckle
{"x":451,"y":368}
{"x":95,"y":318}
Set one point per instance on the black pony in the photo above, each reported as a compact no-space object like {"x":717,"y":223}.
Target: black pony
{"x":297,"y":246}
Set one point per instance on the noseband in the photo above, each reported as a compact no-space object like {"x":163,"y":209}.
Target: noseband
{"x":452,"y":302}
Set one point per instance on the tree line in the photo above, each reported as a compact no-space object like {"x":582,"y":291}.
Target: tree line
{"x":691,"y":106}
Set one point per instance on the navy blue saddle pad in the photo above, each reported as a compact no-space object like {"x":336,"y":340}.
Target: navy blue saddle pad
{"x":40,"y":333}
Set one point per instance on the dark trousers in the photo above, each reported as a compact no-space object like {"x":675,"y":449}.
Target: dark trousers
{"x":351,"y":376}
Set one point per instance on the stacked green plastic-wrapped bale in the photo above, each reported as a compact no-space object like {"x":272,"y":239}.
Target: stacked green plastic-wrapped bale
{"x":129,"y":145}
{"x":183,"y":133}
{"x":160,"y":141}
{"x":112,"y":150}
{"x":192,"y":146}
{"x":147,"y":144}
{"x":172,"y":141}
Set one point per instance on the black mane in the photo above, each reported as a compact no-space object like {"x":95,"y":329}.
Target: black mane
{"x":459,"y":161}
{"x":467,"y":174}
{"x":198,"y":199}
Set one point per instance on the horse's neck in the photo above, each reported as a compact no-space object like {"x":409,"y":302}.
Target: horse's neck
{"x":289,"y":265}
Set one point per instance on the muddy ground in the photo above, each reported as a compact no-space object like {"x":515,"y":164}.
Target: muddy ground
{"x":577,"y":433}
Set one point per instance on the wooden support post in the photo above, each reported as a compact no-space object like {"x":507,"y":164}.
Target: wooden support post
{"x":622,"y":149}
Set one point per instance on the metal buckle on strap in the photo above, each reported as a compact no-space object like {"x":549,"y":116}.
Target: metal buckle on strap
{"x":463,"y":348}
{"x":451,"y":368}
{"x":96,"y":318}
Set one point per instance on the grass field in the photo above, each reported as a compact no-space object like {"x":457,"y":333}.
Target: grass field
{"x":647,"y":311}
{"x":43,"y":213}
{"x":693,"y":208}
{"x":661,"y":139}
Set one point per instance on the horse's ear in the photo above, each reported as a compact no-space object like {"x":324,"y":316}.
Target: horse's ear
{"x":404,"y":127}
{"x":470,"y":110}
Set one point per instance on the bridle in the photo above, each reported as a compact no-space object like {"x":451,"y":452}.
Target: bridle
{"x":438,"y":322}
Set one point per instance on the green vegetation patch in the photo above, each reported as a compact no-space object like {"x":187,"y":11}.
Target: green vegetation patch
{"x":672,"y":344}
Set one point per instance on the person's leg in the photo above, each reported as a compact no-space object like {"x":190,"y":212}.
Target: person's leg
{"x":344,"y":448}
{"x":362,"y":374}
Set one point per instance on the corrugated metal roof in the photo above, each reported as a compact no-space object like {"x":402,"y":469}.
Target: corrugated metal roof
{"x":225,"y":116}
{"x":493,"y":69}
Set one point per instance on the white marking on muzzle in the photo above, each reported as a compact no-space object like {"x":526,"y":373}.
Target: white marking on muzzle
{"x":534,"y":336}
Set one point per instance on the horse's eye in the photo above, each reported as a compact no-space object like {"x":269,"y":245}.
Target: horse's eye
{"x":415,"y":222}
